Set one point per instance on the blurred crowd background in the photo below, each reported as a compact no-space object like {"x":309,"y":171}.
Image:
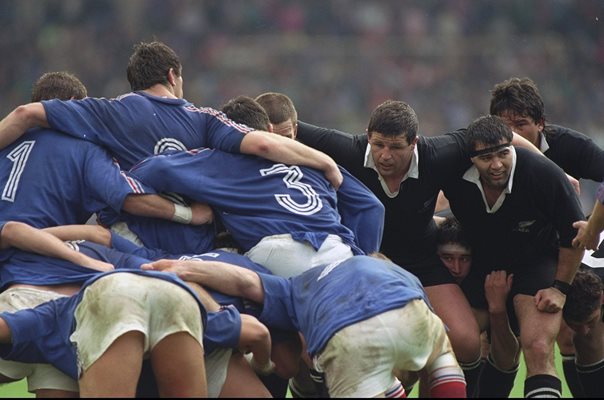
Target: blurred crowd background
{"x":337,"y":59}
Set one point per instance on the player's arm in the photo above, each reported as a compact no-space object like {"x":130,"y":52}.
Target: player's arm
{"x":588,"y":234}
{"x":20,"y":120}
{"x":222,"y":277}
{"x":155,"y":206}
{"x":255,"y":339}
{"x":505,"y":349}
{"x":552,"y":299}
{"x":27,"y":238}
{"x":284,"y":150}
{"x":519,"y":141}
{"x":92,"y":233}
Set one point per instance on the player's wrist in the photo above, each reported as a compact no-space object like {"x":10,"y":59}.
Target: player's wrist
{"x":561,"y":286}
{"x":182,"y":214}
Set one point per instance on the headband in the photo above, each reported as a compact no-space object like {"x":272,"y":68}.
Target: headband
{"x":491,"y":149}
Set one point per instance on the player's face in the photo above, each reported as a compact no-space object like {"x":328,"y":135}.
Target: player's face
{"x":495,"y":167}
{"x":525,"y":126}
{"x":457,"y":259}
{"x":286,"y":128}
{"x":391,"y":154}
{"x":584,"y":327}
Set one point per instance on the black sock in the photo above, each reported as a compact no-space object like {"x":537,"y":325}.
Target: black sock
{"x":471,"y":372}
{"x":542,"y":386}
{"x":570,"y":374}
{"x":495,"y":382}
{"x":592,"y":379}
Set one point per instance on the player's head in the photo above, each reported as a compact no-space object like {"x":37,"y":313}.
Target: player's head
{"x":281,"y":112}
{"x":286,"y":352}
{"x":489,"y":142}
{"x":518,"y":102}
{"x":58,"y":85}
{"x":392,"y":133}
{"x":154,"y":63}
{"x":583,"y":307}
{"x":453,"y":248}
{"x":247,"y":111}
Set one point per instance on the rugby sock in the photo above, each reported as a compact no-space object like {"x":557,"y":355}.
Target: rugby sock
{"x":471,"y":372}
{"x":446,"y":378}
{"x":396,"y":391}
{"x":570,"y":374}
{"x":495,"y":382}
{"x":592,"y":379}
{"x":542,"y":386}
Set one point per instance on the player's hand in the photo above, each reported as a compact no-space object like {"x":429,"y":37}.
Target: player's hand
{"x":550,"y":300}
{"x":585,"y":239}
{"x":497,"y":286}
{"x":201,"y":214}
{"x":98,"y":265}
{"x":334,"y":175}
{"x":165,"y":265}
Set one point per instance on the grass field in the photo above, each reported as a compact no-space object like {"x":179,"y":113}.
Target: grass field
{"x":19,"y":389}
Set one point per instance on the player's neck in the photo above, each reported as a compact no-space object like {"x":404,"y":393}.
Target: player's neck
{"x":160,"y":90}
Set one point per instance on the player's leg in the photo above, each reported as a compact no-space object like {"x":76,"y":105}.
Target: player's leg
{"x":178,"y":366}
{"x":567,"y":353}
{"x":453,"y":308}
{"x":590,"y":360}
{"x":115,"y":373}
{"x":241,"y":380}
{"x":538,"y":332}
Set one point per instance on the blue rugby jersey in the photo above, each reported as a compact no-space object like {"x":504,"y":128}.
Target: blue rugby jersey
{"x":256,"y":198}
{"x":326,"y":299}
{"x":137,"y":124}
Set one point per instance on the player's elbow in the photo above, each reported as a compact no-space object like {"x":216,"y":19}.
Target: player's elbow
{"x":257,"y":143}
{"x":31,"y":115}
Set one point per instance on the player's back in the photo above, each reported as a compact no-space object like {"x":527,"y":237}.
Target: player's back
{"x":49,"y":179}
{"x":254,"y":197}
{"x":137,"y":125}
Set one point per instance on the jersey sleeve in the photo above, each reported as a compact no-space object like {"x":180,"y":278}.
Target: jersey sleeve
{"x":223,"y":133}
{"x":339,"y":145}
{"x":361,"y":212}
{"x":223,"y":329}
{"x":106,"y":183}
{"x":277,"y":311}
{"x":82,"y":119}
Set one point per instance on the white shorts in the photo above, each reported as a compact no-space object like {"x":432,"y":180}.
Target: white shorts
{"x":125,"y":302}
{"x":286,"y":257}
{"x":358,"y":360}
{"x":217,"y":365}
{"x":122,"y":229}
{"x":39,"y":376}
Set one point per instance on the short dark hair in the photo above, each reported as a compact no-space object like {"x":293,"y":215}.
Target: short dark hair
{"x":247,"y":111}
{"x":58,"y":85}
{"x":393,"y":118}
{"x":519,"y":97}
{"x":150,"y":63}
{"x":489,"y":130}
{"x":278,"y":106}
{"x":584,"y":296}
{"x":451,"y":231}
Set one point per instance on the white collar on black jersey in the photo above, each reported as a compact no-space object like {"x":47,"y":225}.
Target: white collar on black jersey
{"x":472,"y":175}
{"x":543,"y":145}
{"x":412,"y":173}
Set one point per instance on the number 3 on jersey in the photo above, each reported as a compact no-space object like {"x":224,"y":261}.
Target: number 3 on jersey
{"x":292,"y":178}
{"x":18,"y":157}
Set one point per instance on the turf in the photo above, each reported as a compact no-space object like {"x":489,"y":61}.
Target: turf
{"x":19,"y":389}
